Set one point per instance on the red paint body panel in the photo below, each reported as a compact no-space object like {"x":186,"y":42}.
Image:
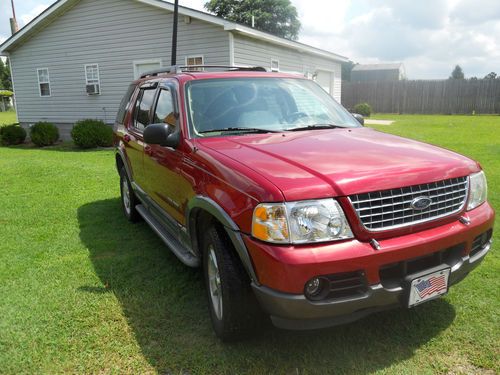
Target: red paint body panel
{"x":288,"y":268}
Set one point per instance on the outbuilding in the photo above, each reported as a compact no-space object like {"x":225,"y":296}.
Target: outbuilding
{"x":76,"y":59}
{"x":378,"y":72}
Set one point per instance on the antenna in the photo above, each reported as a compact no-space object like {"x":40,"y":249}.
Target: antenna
{"x":174,"y":33}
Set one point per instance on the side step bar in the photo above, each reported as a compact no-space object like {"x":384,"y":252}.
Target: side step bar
{"x":184,"y":255}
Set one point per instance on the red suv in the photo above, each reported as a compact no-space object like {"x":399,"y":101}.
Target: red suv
{"x":289,"y":204}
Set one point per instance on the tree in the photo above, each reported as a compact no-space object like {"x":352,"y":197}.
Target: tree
{"x":5,"y":79}
{"x":346,"y":70}
{"x":278,"y":17}
{"x":491,"y":75}
{"x":457,"y":73}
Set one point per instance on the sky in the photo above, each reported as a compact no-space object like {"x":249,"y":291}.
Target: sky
{"x":429,"y":36}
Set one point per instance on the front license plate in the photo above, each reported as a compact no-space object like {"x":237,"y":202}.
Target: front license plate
{"x":427,"y":287}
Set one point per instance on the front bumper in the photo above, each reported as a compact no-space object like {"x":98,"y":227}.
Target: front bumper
{"x":283,"y":271}
{"x":296,"y":312}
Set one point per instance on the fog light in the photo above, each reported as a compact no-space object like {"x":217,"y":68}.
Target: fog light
{"x":313,"y":287}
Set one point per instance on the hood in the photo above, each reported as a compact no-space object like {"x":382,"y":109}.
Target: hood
{"x":340,"y":162}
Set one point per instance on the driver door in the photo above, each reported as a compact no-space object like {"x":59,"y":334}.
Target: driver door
{"x":162,"y":164}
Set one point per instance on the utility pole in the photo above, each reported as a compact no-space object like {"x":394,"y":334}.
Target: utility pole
{"x":174,"y":33}
{"x":13,"y":21}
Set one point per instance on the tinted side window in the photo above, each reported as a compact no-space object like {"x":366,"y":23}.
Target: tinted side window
{"x":125,"y":104}
{"x":164,"y":107}
{"x":143,"y":108}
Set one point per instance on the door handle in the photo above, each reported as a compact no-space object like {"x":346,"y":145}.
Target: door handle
{"x":127,"y":138}
{"x":148,"y":150}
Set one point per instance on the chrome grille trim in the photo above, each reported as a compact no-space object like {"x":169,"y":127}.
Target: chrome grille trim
{"x":391,"y":209}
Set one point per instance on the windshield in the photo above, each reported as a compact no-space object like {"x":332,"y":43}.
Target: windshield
{"x":227,"y":106}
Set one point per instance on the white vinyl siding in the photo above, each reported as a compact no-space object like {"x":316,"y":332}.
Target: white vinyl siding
{"x":252,"y":52}
{"x":112,"y":34}
{"x":43,"y":81}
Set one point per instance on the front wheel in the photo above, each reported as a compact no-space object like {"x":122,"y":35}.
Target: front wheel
{"x":233,"y":307}
{"x":128,"y":198}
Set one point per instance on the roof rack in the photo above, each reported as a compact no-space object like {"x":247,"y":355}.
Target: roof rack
{"x":177,"y":69}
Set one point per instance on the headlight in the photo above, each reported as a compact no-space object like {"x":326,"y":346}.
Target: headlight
{"x":300,"y":222}
{"x":478,"y":190}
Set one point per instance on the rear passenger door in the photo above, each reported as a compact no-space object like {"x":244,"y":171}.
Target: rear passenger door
{"x":134,"y":139}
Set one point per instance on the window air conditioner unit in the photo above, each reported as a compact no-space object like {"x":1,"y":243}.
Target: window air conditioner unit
{"x":93,"y":89}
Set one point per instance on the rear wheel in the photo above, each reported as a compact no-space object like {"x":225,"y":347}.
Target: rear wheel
{"x":128,"y":198}
{"x":233,"y":307}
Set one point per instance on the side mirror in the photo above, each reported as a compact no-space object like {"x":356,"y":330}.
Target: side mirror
{"x":359,"y":117}
{"x":161,"y":134}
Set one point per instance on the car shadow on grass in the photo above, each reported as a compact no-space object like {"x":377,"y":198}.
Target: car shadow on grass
{"x":164,"y":304}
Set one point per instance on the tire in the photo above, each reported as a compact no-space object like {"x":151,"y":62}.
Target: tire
{"x":236,"y":313}
{"x":128,"y":198}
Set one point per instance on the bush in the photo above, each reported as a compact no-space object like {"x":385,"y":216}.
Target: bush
{"x":363,"y":109}
{"x":92,"y":133}
{"x":12,"y":135}
{"x":44,"y":134}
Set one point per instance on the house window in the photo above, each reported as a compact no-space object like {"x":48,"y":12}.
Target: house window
{"x":92,"y":81}
{"x":43,"y":81}
{"x":275,"y":65}
{"x":193,"y":61}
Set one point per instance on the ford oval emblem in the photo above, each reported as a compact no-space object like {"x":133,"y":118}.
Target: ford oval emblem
{"x":421,"y":203}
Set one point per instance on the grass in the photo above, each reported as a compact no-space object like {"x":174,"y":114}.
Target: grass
{"x":84,"y":291}
{"x":7,"y":118}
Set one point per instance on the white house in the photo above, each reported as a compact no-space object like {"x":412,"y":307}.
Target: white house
{"x":76,"y":59}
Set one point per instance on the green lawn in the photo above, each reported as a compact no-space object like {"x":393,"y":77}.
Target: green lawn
{"x":83,"y":291}
{"x":7,"y":118}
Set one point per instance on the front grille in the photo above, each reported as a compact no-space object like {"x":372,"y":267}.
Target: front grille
{"x":347,"y":285}
{"x":387,"y":209}
{"x":393,"y":275}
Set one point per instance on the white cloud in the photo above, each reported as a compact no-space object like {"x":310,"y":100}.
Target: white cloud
{"x":326,"y":17}
{"x":194,"y":4}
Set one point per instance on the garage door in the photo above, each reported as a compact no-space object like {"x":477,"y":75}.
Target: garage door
{"x":325,"y":80}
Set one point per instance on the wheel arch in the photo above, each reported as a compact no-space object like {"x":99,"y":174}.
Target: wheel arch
{"x":202,"y":211}
{"x":121,"y":161}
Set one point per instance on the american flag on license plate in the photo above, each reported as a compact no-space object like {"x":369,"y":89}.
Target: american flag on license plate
{"x":431,"y":285}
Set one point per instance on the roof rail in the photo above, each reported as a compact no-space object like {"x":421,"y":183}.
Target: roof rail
{"x":177,"y":69}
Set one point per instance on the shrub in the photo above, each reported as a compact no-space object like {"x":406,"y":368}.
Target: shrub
{"x":92,"y":133}
{"x":106,"y":136}
{"x":363,"y":109}
{"x":12,"y":135}
{"x":44,"y":134}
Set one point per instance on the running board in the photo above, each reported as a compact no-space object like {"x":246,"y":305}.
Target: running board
{"x":184,"y":255}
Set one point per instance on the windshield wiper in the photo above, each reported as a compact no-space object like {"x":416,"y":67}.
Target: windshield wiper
{"x":315,"y":126}
{"x":238,"y":129}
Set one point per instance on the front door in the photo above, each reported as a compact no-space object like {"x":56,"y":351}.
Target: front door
{"x":143,"y":66}
{"x":162,"y":165}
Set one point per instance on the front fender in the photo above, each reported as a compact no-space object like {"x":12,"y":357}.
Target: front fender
{"x":233,"y":231}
